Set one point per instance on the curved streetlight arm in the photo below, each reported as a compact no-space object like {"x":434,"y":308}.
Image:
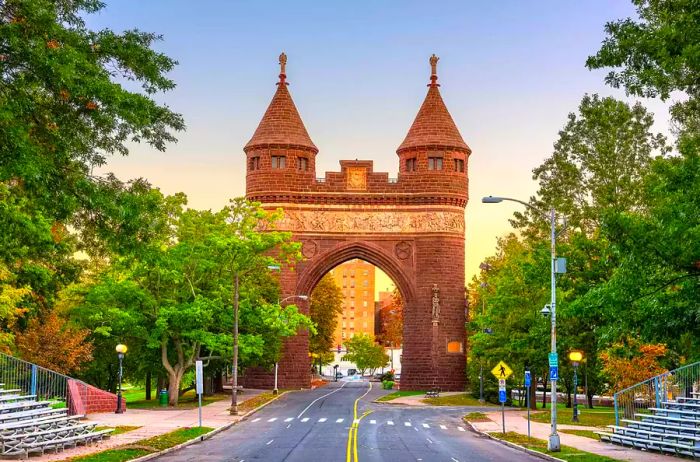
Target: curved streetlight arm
{"x":300,"y":297}
{"x":545,"y":215}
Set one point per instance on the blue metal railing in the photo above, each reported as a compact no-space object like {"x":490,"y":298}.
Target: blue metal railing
{"x":637,"y":399}
{"x":32,"y":379}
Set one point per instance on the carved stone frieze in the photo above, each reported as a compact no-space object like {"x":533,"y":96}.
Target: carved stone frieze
{"x":372,"y":221}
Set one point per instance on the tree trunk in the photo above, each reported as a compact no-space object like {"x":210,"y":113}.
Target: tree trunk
{"x":533,"y":396}
{"x":173,"y":388}
{"x":148,"y":385}
{"x":544,"y":393}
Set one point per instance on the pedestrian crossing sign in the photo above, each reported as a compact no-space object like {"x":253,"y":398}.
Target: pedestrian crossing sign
{"x":502,"y":371}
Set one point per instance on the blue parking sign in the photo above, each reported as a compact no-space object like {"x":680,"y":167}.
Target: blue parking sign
{"x":501,"y":396}
{"x":554,"y":373}
{"x":528,"y":379}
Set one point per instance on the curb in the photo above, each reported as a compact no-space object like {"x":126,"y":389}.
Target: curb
{"x":513,"y":445}
{"x":206,"y":436}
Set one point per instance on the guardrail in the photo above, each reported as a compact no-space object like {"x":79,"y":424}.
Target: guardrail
{"x":32,"y":379}
{"x":681,"y":382}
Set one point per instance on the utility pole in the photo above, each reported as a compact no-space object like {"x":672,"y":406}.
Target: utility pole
{"x":234,"y":384}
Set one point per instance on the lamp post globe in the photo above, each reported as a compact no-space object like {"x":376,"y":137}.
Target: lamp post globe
{"x":575,"y":356}
{"x":121,"y":351}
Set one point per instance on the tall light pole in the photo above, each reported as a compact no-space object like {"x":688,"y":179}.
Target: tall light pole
{"x":300,"y":297}
{"x":121,"y":350}
{"x":553,"y":443}
{"x":234,"y":383}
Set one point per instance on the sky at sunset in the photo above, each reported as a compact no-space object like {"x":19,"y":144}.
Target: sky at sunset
{"x":510,"y":71}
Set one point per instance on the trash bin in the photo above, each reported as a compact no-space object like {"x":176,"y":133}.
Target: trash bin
{"x":163,"y":397}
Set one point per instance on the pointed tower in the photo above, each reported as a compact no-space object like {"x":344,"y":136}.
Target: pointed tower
{"x":280,"y":154}
{"x":433,"y":143}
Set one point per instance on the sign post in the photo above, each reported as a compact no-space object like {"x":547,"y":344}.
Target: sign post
{"x":502,"y":372}
{"x":528,"y":382}
{"x":199,"y":373}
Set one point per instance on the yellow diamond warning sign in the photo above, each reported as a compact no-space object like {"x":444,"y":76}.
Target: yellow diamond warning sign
{"x":502,"y":371}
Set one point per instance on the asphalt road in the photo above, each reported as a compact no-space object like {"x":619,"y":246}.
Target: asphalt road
{"x":339,"y":422}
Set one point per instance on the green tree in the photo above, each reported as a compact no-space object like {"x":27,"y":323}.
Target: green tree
{"x":391,"y":319}
{"x":656,"y":55}
{"x":326,"y":306}
{"x":64,"y":109}
{"x":174,"y":295}
{"x":366,"y":354}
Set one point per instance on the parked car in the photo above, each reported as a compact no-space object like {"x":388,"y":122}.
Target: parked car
{"x":352,"y":372}
{"x":376,"y":377}
{"x":338,"y":375}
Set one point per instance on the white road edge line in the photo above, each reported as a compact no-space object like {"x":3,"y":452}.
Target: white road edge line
{"x":320,"y":397}
{"x":454,"y":459}
{"x":270,"y":442}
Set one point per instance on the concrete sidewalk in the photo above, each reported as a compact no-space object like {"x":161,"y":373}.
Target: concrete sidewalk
{"x":516,"y":421}
{"x":154,"y":422}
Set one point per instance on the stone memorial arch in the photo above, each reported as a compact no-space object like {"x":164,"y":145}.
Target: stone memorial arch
{"x":411,"y":227}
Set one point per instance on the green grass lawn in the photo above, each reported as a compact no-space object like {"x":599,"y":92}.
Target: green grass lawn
{"x":476,"y":417}
{"x":585,"y":433}
{"x":597,"y":417}
{"x":567,"y":453}
{"x":119,"y":429}
{"x":400,"y":394}
{"x":462,"y":399}
{"x":144,"y":447}
{"x":136,"y":399}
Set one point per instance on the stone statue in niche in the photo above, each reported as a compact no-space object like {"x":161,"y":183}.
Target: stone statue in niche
{"x":436,"y":304}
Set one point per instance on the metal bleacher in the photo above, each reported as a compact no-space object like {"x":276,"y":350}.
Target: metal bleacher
{"x":661,"y":414}
{"x":29,"y":426}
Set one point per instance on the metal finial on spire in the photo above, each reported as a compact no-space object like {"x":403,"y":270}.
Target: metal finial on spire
{"x":433,"y":70}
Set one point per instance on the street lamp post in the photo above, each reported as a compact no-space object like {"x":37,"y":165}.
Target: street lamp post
{"x":553,"y":443}
{"x":300,"y":297}
{"x":234,"y":383}
{"x":121,"y":350}
{"x":575,"y":357}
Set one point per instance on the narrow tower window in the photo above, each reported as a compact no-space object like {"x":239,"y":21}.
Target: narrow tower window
{"x":459,"y":165}
{"x":279,"y":161}
{"x":302,"y":164}
{"x":255,"y":163}
{"x":434,"y":163}
{"x":411,"y":164}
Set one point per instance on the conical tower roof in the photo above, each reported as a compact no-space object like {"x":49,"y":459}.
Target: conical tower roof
{"x":433,"y":126}
{"x":281,"y":126}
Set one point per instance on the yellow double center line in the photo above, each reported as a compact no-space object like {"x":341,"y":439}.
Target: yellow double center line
{"x":351,"y":452}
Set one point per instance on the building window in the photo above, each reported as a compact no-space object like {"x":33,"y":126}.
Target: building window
{"x":364,"y":303}
{"x":352,"y":283}
{"x":279,"y":161}
{"x":343,"y":334}
{"x":364,"y":313}
{"x":365,"y":273}
{"x":411,"y":164}
{"x":434,"y":163}
{"x":365,"y":293}
{"x":255,"y":163}
{"x":352,"y":294}
{"x":303,"y":164}
{"x":364,"y":325}
{"x":459,"y":165}
{"x":352,"y":302}
{"x":365,"y":283}
{"x":352,"y":334}
{"x":352,"y":324}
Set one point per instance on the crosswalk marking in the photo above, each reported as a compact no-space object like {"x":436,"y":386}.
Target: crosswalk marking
{"x":356,"y":421}
{"x":305,"y":419}
{"x":373,"y":422}
{"x":289,"y":419}
{"x":322,"y":419}
{"x":255,"y":420}
{"x":408,"y":424}
{"x":339,"y":420}
{"x":460,"y":429}
{"x":389,"y":422}
{"x":426,"y":426}
{"x":272,"y":419}
{"x":443,"y":427}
